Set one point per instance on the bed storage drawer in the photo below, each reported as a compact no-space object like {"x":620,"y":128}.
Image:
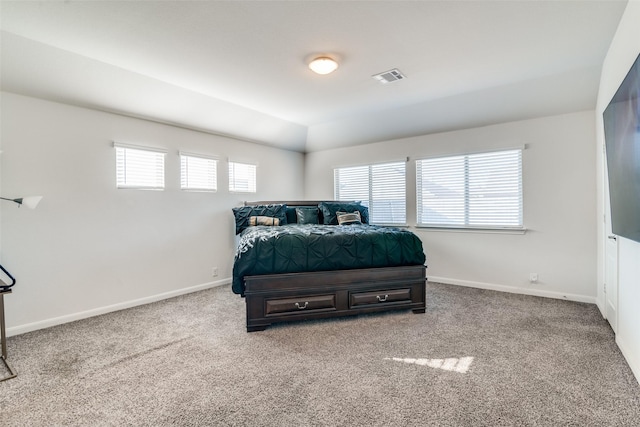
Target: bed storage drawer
{"x":299,"y":304}
{"x":358,"y":299}
{"x":273,"y":298}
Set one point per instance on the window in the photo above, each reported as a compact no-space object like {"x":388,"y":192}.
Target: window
{"x":198,"y":173}
{"x":139,"y":167}
{"x":380,"y":187}
{"x":471,"y":191}
{"x":242,"y":177}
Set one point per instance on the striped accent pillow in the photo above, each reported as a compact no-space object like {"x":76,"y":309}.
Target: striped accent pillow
{"x":346,"y":218}
{"x":263,"y":220}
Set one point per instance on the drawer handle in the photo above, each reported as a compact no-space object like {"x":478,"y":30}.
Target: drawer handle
{"x":382,"y":299}
{"x":302,"y":307}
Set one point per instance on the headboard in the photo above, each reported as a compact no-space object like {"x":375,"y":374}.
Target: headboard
{"x":291,"y":207}
{"x":288,"y":203}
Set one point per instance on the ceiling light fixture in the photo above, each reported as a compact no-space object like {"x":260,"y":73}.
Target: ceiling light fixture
{"x":323,"y":65}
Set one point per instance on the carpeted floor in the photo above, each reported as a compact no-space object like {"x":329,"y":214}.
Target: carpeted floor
{"x":475,"y":358}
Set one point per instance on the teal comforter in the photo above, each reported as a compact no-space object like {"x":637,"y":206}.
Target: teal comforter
{"x":299,"y":248}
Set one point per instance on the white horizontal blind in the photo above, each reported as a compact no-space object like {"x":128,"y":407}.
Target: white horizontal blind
{"x":242,"y":177}
{"x":388,"y":193}
{"x":380,"y":187}
{"x":198,"y":173}
{"x":139,"y":168}
{"x":351,"y":183}
{"x":471,"y":191}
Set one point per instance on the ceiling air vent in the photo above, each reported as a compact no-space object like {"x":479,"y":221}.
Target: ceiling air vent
{"x":389,"y":76}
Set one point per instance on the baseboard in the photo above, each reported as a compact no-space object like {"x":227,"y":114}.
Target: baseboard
{"x":514,"y":289}
{"x":631,"y":362}
{"x":21,"y":329}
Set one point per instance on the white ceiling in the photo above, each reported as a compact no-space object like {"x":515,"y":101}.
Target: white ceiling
{"x":239,"y":68}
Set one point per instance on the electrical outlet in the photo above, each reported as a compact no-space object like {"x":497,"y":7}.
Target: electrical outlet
{"x":533,"y":277}
{"x":214,"y":271}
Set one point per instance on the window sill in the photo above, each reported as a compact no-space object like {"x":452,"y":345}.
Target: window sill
{"x":136,"y":187}
{"x":424,"y":228}
{"x":390,"y":225}
{"x":198,"y":190}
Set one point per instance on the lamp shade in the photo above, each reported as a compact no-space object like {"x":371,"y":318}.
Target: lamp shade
{"x":31,"y":202}
{"x":323,"y":65}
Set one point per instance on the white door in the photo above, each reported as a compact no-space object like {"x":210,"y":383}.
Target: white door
{"x":611,"y":280}
{"x":611,"y":261}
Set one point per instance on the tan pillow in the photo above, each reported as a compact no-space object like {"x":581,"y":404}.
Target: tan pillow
{"x":263,"y":220}
{"x":345,"y":218}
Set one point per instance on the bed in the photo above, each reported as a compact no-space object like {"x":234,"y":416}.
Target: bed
{"x":294,"y":261}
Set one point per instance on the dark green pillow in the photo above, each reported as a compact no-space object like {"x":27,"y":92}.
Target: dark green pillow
{"x":329,"y":210}
{"x":291,"y":215}
{"x":307,"y":215}
{"x":243,"y":214}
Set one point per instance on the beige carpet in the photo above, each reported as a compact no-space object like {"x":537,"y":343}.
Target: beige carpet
{"x":475,"y":358}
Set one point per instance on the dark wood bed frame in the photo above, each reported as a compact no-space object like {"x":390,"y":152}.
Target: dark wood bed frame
{"x":288,"y":297}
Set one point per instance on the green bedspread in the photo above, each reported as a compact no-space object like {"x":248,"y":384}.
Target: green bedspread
{"x":299,"y":248}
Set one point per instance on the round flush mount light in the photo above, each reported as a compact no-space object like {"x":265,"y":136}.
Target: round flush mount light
{"x":323,"y":65}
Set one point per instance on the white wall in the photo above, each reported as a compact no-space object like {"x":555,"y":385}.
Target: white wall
{"x":624,"y":49}
{"x":559,"y":200}
{"x":90,"y":248}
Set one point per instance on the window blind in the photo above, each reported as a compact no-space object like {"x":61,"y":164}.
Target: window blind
{"x":198,"y":173}
{"x":380,"y":187}
{"x":139,"y":168}
{"x":471,"y":191}
{"x":242,"y":177}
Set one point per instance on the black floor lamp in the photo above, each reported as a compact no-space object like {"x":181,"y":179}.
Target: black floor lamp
{"x":5,"y":288}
